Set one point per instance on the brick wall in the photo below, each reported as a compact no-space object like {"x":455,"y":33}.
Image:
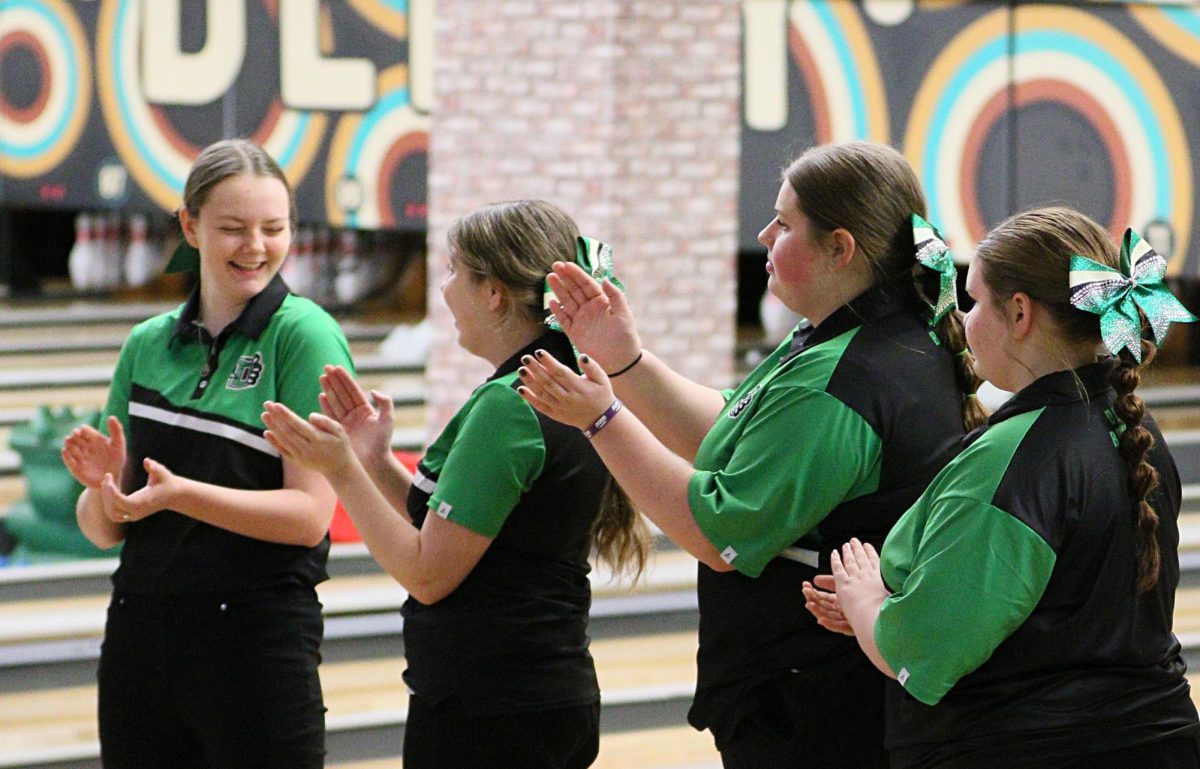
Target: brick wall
{"x":625,"y":113}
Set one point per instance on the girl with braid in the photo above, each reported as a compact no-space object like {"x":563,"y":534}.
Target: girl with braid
{"x":834,"y":435}
{"x":1024,"y":603}
{"x":492,"y":534}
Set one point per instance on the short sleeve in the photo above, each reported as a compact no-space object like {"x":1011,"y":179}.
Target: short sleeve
{"x":803,"y":453}
{"x":974,"y":573}
{"x":314,"y":341}
{"x":496,"y":456}
{"x":121,"y":387}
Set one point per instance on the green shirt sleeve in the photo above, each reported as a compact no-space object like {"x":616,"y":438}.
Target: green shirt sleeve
{"x":311,"y":344}
{"x":802,"y":454}
{"x":121,"y":387}
{"x":972,"y":574}
{"x":496,"y":456}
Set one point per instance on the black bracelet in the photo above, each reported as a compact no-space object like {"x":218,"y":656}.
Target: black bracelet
{"x":603,"y":419}
{"x":636,"y":361}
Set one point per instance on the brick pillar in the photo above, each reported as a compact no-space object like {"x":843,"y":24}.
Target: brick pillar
{"x":625,"y":113}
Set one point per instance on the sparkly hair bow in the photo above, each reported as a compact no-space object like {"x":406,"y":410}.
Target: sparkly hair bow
{"x":1116,"y":295}
{"x":596,"y":260}
{"x":933,"y":253}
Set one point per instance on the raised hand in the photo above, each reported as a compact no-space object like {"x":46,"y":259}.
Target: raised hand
{"x":320,"y":444}
{"x":368,"y":425}
{"x":560,"y":393}
{"x":89,"y":454}
{"x":596,"y":316}
{"x":159,"y":493}
{"x":823,"y":604}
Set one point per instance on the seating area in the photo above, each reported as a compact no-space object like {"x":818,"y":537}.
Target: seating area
{"x":643,"y":636}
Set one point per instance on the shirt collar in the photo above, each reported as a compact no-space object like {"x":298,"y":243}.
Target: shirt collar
{"x":553,"y":342}
{"x":876,"y":302}
{"x":254,"y":318}
{"x":1057,"y":388}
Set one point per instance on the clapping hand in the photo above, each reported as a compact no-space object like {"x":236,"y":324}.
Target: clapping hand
{"x":596,"y":316}
{"x":320,"y":444}
{"x":560,"y":393}
{"x":89,"y":455}
{"x":823,"y":603}
{"x":367,"y":424}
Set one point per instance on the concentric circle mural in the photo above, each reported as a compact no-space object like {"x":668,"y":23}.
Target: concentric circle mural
{"x":1076,"y":61}
{"x":41,"y":126}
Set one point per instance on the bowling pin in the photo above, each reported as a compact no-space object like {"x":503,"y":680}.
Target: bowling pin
{"x":83,"y":253}
{"x":141,"y":260}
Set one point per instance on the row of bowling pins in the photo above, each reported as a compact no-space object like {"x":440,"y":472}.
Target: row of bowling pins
{"x":103,"y":258}
{"x":328,"y":266}
{"x":335,"y":267}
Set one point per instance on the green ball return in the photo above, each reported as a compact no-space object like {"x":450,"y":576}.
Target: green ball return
{"x":44,"y":522}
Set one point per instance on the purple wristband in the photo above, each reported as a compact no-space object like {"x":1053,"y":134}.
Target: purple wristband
{"x":603,"y":419}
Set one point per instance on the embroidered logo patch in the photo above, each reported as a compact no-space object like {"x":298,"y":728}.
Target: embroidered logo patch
{"x":246,"y":373}
{"x":902,"y":676}
{"x":443,"y":509}
{"x":728,"y":554}
{"x":741,"y":405}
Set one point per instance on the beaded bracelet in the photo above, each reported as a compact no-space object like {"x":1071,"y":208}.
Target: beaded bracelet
{"x":603,"y":419}
{"x":636,"y":361}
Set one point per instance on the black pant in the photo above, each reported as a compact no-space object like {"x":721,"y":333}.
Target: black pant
{"x":832,"y":717}
{"x":441,"y":737}
{"x":212,"y":681}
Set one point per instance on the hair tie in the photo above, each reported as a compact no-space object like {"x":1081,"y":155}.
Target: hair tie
{"x":1117,"y":295}
{"x":933,"y":254}
{"x":596,"y":259}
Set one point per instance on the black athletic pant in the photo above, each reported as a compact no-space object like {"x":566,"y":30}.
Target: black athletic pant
{"x":441,"y":737}
{"x":831,"y":718}
{"x":212,"y":681}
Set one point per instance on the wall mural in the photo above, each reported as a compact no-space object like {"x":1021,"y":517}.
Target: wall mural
{"x":999,"y":107}
{"x":105,"y":104}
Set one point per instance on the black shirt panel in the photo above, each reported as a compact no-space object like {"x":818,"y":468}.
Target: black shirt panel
{"x":902,"y":382}
{"x":1095,"y":666}
{"x":513,"y":636}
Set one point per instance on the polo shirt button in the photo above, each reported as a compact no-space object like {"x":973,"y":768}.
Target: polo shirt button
{"x":224,"y":606}
{"x":203,"y":385}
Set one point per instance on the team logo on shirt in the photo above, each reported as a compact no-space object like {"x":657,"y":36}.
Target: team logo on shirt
{"x":246,"y":373}
{"x":741,"y":405}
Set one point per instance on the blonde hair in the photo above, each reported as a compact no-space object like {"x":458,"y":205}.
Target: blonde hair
{"x":515,"y":243}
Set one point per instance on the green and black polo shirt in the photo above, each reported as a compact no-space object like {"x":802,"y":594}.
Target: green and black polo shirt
{"x":1015,"y":626}
{"x":512,"y":637}
{"x":834,"y":435}
{"x":193,"y":403}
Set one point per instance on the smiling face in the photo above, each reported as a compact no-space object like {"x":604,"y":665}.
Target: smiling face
{"x":243,"y":232}
{"x":798,"y":261}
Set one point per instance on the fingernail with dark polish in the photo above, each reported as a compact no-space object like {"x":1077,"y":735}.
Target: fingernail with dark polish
{"x":538,"y":353}
{"x":583,"y":359}
{"x":522,"y":372}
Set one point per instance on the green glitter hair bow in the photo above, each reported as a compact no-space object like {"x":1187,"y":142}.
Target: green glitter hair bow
{"x":1116,"y":295}
{"x":933,"y":253}
{"x":596,"y":259}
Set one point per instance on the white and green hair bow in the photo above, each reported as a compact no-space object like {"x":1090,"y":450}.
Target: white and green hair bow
{"x":596,"y":259}
{"x":933,"y":253}
{"x":1116,"y":295}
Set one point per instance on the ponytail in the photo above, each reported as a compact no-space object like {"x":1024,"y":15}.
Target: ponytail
{"x":950,"y":331}
{"x":620,"y":535}
{"x":1134,"y":444}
